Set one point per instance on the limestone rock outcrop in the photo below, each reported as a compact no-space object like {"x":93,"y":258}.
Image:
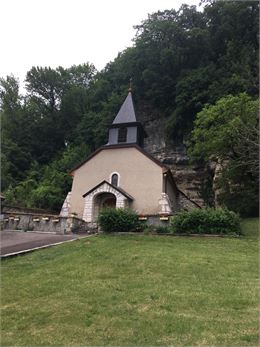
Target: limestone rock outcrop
{"x":189,"y":178}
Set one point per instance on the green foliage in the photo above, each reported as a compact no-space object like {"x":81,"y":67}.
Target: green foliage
{"x":202,"y":58}
{"x":15,"y":150}
{"x":156,"y":229}
{"x":217,"y":127}
{"x":206,"y":221}
{"x":227,"y":133}
{"x":147,"y":228}
{"x":206,"y":192}
{"x":162,"y":229}
{"x":46,"y":187}
{"x":238,"y":190}
{"x":118,"y":220}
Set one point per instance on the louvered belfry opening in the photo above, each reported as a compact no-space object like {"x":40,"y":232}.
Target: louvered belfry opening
{"x":122,"y":135}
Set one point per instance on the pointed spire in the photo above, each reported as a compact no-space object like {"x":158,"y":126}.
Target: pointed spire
{"x":126,"y":113}
{"x":125,"y":128}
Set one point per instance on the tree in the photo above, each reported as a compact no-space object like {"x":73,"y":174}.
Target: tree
{"x":48,"y":85}
{"x":56,"y":99}
{"x":47,"y":186}
{"x":188,"y":58}
{"x":15,"y":140}
{"x":227,"y":133}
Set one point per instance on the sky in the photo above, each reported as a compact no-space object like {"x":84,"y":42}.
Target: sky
{"x":70,"y":32}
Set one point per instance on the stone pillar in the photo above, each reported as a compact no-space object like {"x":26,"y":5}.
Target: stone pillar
{"x":164,"y":205}
{"x":120,"y":201}
{"x":66,"y":206}
{"x":88,"y":208}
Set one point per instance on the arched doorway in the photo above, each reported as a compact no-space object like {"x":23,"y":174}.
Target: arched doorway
{"x":103,"y":200}
{"x":101,"y":195}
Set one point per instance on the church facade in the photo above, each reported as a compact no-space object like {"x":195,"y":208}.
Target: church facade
{"x":122,"y":174}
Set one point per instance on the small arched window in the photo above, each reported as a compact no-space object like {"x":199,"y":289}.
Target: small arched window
{"x":114,"y":180}
{"x":122,"y":134}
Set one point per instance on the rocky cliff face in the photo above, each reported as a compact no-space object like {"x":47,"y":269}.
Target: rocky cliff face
{"x":192,"y":180}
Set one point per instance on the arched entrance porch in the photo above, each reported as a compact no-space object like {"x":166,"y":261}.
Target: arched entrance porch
{"x":96,"y":197}
{"x":102,"y":200}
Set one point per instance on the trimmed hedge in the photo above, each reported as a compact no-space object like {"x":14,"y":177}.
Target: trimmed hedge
{"x":118,"y":220}
{"x":206,"y":221}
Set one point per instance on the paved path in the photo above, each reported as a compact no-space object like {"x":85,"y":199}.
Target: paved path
{"x":20,"y":242}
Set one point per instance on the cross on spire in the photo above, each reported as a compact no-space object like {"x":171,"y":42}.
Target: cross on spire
{"x":130,"y":85}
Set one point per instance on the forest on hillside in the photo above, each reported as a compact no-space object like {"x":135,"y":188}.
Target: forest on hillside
{"x":197,"y":69}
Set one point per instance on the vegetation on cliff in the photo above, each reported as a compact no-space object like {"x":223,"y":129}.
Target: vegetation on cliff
{"x":180,"y":62}
{"x":227,"y":133}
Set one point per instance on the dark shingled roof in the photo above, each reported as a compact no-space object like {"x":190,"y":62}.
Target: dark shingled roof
{"x":126,"y":113}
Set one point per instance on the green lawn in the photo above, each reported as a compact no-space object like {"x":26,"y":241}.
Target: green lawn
{"x":135,"y":291}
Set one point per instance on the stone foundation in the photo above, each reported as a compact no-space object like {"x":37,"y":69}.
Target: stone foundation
{"x":157,"y":220}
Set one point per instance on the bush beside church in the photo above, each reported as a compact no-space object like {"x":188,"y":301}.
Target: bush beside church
{"x":197,"y":221}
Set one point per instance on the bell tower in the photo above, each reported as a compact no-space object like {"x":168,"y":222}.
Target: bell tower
{"x":125,"y":128}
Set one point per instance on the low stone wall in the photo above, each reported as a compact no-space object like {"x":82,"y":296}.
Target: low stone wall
{"x":18,"y":209}
{"x":45,"y":223}
{"x":77,"y":225}
{"x":155,"y":220}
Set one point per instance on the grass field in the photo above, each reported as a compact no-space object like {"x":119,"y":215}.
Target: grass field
{"x":135,"y":291}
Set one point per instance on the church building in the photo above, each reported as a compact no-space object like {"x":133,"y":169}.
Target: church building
{"x":122,"y":174}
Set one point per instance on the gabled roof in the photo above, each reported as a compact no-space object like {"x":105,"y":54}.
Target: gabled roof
{"x":120,"y":190}
{"x":117,"y":146}
{"x":126,"y":113}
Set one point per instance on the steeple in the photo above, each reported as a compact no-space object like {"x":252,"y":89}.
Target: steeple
{"x":126,"y":113}
{"x":125,"y":128}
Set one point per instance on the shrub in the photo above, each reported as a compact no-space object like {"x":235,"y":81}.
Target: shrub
{"x":156,"y":229}
{"x":206,"y":221}
{"x":118,"y":220}
{"x":148,"y":229}
{"x":162,"y":229}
